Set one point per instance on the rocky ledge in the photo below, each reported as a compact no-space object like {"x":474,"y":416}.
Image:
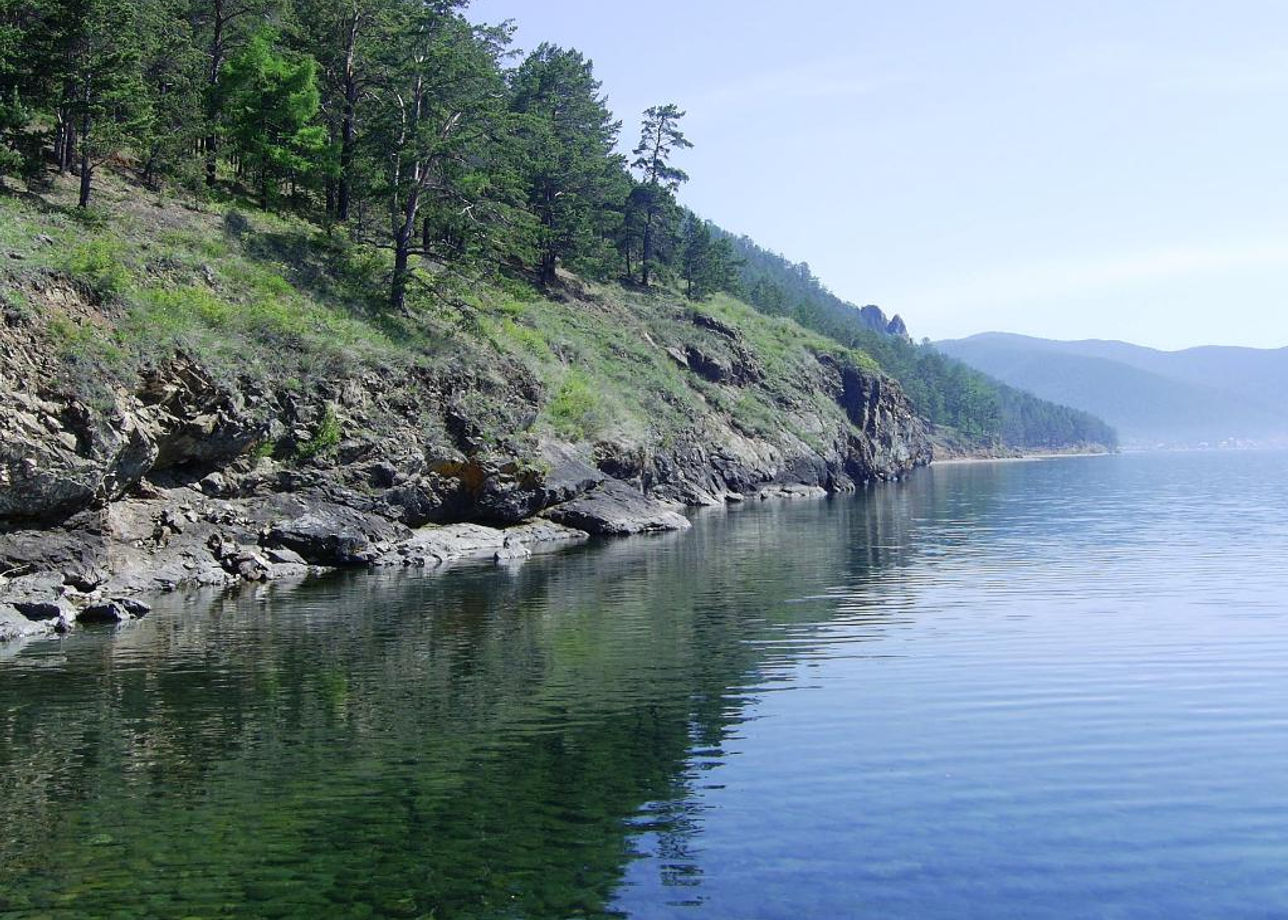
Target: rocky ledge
{"x":178,"y":477}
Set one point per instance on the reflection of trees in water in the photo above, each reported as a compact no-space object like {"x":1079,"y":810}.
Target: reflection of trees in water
{"x":481,"y":744}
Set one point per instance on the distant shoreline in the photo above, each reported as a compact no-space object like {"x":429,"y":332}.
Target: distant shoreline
{"x":1023,"y":458}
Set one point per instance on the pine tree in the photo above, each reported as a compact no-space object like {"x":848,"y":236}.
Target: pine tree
{"x":567,"y":160}
{"x":269,"y":100}
{"x":108,"y":103}
{"x":439,"y":101}
{"x":708,"y":265}
{"x":15,"y":84}
{"x":171,"y":67}
{"x":222,"y":27}
{"x":654,"y":202}
{"x":349,"y":40}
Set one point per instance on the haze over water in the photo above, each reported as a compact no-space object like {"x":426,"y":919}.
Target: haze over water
{"x":1020,"y":689}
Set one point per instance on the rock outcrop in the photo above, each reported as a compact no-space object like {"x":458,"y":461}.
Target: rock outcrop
{"x":184,"y":477}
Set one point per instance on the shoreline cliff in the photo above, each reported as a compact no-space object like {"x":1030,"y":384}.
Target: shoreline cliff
{"x":173,"y":472}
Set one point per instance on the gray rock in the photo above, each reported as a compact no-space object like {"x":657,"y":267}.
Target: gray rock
{"x":105,"y":612}
{"x":39,"y":598}
{"x":279,"y":571}
{"x":539,"y":534}
{"x":283,"y":556}
{"x":214,"y":485}
{"x":13,"y":625}
{"x":333,"y":536}
{"x":614,"y":508}
{"x":791,"y":490}
{"x":253,"y":567}
{"x":40,"y":610}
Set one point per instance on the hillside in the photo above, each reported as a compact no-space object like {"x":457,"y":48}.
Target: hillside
{"x":964,"y":406}
{"x":196,"y":387}
{"x":1184,"y":398}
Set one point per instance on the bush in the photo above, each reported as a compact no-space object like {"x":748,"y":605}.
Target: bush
{"x":98,"y":263}
{"x":326,"y":437}
{"x":575,"y":410}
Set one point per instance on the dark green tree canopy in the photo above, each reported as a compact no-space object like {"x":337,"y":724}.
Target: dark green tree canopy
{"x":398,"y":120}
{"x":566,"y":155}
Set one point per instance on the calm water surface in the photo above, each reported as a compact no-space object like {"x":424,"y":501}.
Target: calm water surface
{"x":1048,"y":689}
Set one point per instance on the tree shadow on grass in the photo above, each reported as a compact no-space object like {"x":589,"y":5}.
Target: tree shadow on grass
{"x":342,"y":276}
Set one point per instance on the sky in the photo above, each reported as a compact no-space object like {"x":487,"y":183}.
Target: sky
{"x":1101,"y":169}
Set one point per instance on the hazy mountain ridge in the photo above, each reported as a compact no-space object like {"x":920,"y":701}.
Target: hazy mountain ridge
{"x":1205,"y":395}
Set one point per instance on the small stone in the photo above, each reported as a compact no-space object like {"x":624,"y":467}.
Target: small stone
{"x":256,"y":568}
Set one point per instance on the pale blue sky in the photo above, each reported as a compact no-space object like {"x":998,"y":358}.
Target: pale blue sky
{"x":1103,"y":169}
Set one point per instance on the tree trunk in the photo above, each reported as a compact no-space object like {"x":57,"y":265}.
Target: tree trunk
{"x":398,"y":291}
{"x":86,"y":167}
{"x":60,"y":144}
{"x":150,"y":168}
{"x":347,"y":131}
{"x":647,"y":254}
{"x":67,"y":153}
{"x":402,"y":251}
{"x":212,"y":106}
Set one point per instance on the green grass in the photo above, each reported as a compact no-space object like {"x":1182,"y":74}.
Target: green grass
{"x":275,"y":298}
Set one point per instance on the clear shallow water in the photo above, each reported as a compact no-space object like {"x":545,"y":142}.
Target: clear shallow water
{"x":1030,"y":689}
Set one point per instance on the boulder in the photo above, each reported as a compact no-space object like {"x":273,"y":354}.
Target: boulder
{"x":105,"y":612}
{"x":614,"y":508}
{"x":13,"y":625}
{"x":323,"y":539}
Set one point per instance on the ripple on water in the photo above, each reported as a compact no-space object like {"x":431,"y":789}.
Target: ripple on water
{"x":1039,"y":690}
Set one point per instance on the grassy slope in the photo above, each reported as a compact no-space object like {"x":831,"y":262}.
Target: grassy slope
{"x":273,"y":297}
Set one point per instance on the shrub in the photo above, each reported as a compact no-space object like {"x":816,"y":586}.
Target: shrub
{"x":98,"y":263}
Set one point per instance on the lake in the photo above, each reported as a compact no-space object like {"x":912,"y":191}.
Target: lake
{"x":1038,"y":689}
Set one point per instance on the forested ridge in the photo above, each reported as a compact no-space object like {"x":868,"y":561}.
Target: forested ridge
{"x":402,"y":127}
{"x":946,"y":391}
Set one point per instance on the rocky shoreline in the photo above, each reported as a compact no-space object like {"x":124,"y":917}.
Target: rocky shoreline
{"x":174,"y":477}
{"x":204,"y":543}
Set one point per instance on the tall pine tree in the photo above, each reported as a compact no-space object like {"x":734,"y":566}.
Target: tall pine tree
{"x":270,"y":100}
{"x":568,"y":163}
{"x":653,"y":202}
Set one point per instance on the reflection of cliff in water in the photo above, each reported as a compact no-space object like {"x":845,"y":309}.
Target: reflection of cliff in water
{"x":487,"y":743}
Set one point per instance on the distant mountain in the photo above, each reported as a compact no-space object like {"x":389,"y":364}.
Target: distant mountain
{"x":1181,"y":398}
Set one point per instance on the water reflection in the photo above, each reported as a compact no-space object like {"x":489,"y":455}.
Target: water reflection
{"x":603,"y":732}
{"x":489,"y":743}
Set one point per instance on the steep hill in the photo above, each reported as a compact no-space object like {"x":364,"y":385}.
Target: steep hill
{"x":199,"y":395}
{"x":962,"y":403}
{"x":1201,"y":395}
